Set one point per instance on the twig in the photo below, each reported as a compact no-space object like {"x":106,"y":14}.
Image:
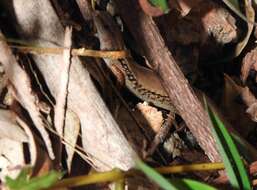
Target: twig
{"x":161,"y":135}
{"x":61,"y":98}
{"x":63,"y":87}
{"x":74,"y":52}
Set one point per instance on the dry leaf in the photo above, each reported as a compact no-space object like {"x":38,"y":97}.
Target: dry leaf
{"x":152,"y":116}
{"x":11,"y":159}
{"x":185,"y":6}
{"x":233,"y":110}
{"x":71,"y":133}
{"x":23,"y":91}
{"x":250,"y":15}
{"x":251,"y":102}
{"x":9,"y":128}
{"x":101,"y":137}
{"x":249,"y":62}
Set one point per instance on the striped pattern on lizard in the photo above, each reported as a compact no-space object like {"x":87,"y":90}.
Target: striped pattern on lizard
{"x":141,"y":81}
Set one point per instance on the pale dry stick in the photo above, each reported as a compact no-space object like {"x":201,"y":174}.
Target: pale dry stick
{"x":85,"y":9}
{"x":61,"y":97}
{"x":27,"y":47}
{"x":78,"y":149}
{"x":75,"y":52}
{"x":39,"y":84}
{"x":21,"y":82}
{"x":80,"y":52}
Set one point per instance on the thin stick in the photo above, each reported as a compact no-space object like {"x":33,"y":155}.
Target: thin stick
{"x":60,"y":111}
{"x":74,"y":52}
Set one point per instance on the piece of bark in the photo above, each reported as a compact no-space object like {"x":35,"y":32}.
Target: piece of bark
{"x":85,"y":9}
{"x":12,"y":158}
{"x":61,"y":97}
{"x":9,"y":128}
{"x":224,"y":180}
{"x":251,"y":102}
{"x":101,"y":137}
{"x":207,"y":23}
{"x":185,"y":6}
{"x":249,"y":63}
{"x":247,"y":97}
{"x":150,"y":9}
{"x":233,"y":110}
{"x":146,"y":32}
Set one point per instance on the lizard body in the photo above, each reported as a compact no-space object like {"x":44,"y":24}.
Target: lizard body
{"x":141,"y":81}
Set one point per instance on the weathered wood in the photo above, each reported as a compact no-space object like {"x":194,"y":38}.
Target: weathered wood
{"x":102,"y":139}
{"x":85,"y":9}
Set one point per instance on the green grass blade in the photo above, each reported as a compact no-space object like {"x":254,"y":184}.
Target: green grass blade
{"x":20,"y":180}
{"x":234,"y":6}
{"x":163,"y":4}
{"x":233,"y":163}
{"x":246,"y":151}
{"x":233,"y":3}
{"x":43,"y":182}
{"x":188,"y":184}
{"x":174,"y":184}
{"x":155,"y":176}
{"x":23,"y":182}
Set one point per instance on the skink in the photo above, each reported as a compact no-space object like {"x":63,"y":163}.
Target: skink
{"x":141,"y":81}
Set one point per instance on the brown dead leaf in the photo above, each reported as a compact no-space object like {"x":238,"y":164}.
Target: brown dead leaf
{"x":9,"y":128}
{"x":152,"y":116}
{"x":218,"y":23}
{"x":150,"y":9}
{"x":71,"y":133}
{"x":233,"y":110}
{"x":251,"y":103}
{"x":206,"y":21}
{"x":185,"y":6}
{"x":223,"y":178}
{"x":249,"y":62}
{"x":250,"y":15}
{"x":140,"y":182}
